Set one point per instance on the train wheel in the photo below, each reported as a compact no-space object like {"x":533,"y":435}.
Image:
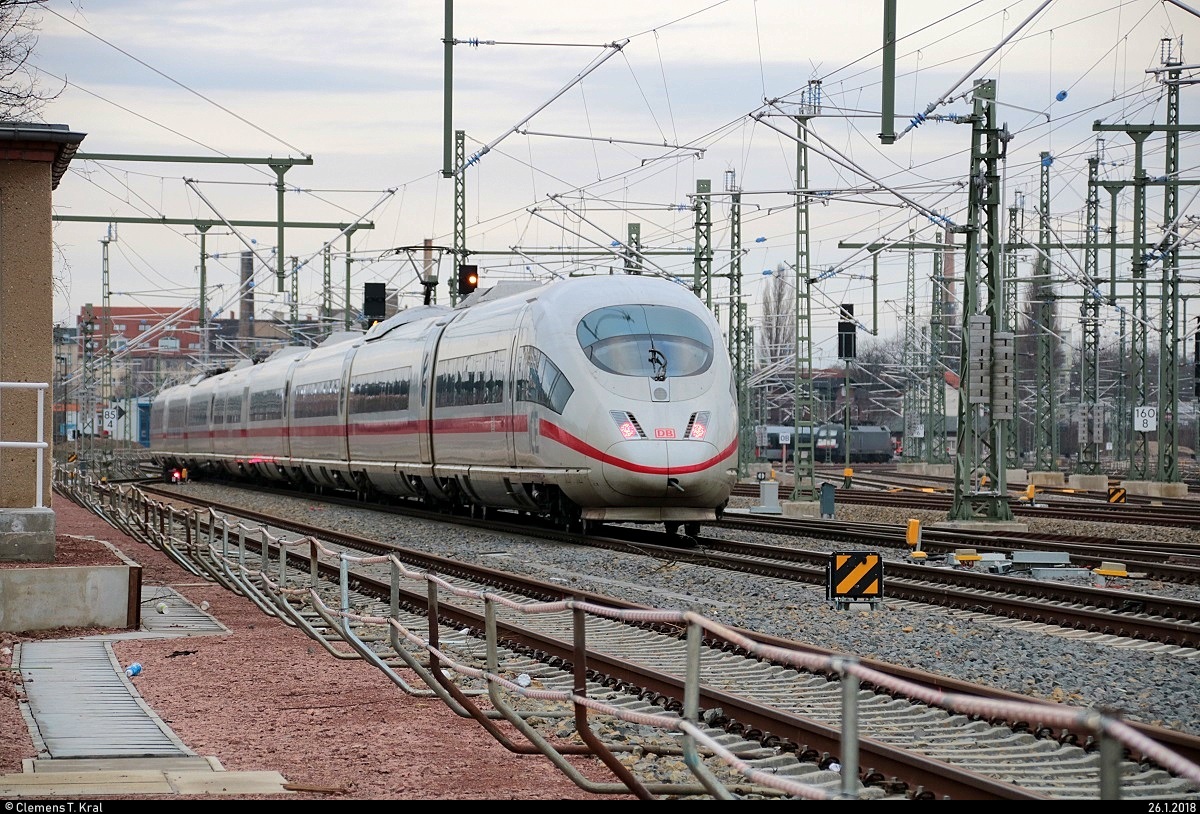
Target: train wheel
{"x":672,"y":528}
{"x":691,"y":529}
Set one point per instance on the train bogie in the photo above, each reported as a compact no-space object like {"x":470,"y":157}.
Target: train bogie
{"x":604,"y":399}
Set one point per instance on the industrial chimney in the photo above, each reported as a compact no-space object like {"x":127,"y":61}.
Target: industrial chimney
{"x":246,"y":304}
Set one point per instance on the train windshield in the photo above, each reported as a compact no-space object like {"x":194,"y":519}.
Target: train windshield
{"x":646,"y":340}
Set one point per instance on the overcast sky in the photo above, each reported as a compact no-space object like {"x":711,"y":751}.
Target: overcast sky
{"x":359,"y":87}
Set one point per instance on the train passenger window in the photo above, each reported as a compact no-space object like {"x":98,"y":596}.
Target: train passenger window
{"x":540,"y":381}
{"x":316,"y":399}
{"x":639,"y":340}
{"x":266,"y":405}
{"x":197,"y":413}
{"x":380,"y":392}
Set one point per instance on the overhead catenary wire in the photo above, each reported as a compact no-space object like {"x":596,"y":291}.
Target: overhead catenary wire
{"x":611,"y":49}
{"x":175,"y":81}
{"x":934,"y":105}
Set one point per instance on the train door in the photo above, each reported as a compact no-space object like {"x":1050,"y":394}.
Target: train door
{"x":427,"y":396}
{"x":518,"y":430}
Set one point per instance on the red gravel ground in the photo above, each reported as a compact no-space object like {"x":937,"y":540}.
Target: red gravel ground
{"x":265,"y":697}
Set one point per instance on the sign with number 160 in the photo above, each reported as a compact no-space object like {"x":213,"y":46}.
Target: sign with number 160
{"x":1145,"y":419}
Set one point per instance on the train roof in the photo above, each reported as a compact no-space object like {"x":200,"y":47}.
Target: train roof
{"x":502,"y":289}
{"x":408,"y":315}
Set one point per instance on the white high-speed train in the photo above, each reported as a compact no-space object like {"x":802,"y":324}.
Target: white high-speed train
{"x":587,"y":399}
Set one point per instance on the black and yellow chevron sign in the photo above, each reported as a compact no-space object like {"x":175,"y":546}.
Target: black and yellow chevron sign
{"x":1116,"y":494}
{"x":855,"y":574}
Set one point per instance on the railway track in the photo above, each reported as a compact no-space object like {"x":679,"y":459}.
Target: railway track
{"x":1177,"y":514}
{"x":1154,"y":559}
{"x":786,"y":718}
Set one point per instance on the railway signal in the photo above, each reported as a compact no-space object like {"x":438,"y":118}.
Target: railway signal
{"x":847,"y":333}
{"x":374,"y":302}
{"x":468,"y":279}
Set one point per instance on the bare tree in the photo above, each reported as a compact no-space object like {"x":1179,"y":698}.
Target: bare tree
{"x":21,"y":98}
{"x":776,"y":347}
{"x":777,"y":335}
{"x":878,"y":385}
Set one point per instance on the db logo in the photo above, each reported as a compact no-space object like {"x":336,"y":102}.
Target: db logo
{"x":664,"y":432}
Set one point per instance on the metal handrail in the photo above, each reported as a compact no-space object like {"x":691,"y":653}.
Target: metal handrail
{"x":40,"y":444}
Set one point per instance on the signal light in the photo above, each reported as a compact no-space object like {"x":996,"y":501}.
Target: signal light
{"x":847,"y":332}
{"x":374,"y":302}
{"x":468,"y":279}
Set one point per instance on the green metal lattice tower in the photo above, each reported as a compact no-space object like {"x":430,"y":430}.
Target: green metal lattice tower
{"x":1168,"y":251}
{"x":935,"y":423}
{"x":1045,"y":426}
{"x":460,"y":212}
{"x":327,"y":288}
{"x":1089,"y":319}
{"x":702,"y":263}
{"x":87,"y":385}
{"x":739,"y":349}
{"x":1016,"y":229}
{"x":803,"y":482}
{"x":294,"y":297}
{"x":985,"y":399}
{"x":911,"y":356}
{"x":1139,"y":449}
{"x":107,"y":392}
{"x":633,"y":248}
{"x":1121,"y":427}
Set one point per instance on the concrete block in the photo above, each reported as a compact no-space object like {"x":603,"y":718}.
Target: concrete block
{"x":1046,"y":478}
{"x":979,"y":525}
{"x":1152,"y":488}
{"x":801,"y":508}
{"x":1092,"y":483}
{"x":71,"y":596}
{"x":26,"y":535}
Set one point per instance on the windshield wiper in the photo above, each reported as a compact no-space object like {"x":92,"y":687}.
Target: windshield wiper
{"x":659,"y":362}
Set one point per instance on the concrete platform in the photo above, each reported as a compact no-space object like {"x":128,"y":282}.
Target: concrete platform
{"x":124,"y":776}
{"x":1153,"y":488}
{"x":72,"y":596}
{"x":801,"y":508}
{"x":922,"y":468}
{"x":978,"y":525}
{"x":94,"y":733}
{"x":1091,"y":483}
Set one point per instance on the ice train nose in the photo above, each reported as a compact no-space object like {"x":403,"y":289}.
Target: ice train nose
{"x":635,"y":468}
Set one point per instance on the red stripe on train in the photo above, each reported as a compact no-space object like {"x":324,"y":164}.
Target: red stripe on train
{"x":492,"y":424}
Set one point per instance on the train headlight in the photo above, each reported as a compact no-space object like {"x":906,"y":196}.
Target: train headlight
{"x":626,"y":425}
{"x":699,"y":426}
